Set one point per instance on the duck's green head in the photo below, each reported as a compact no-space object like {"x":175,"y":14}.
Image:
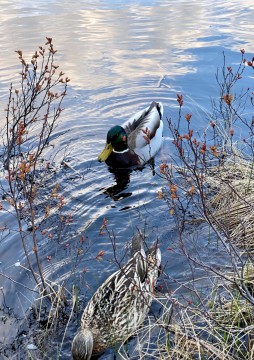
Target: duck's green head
{"x":116,"y":140}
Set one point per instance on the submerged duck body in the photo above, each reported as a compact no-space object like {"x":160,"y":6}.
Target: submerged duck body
{"x":136,"y":141}
{"x":119,"y":306}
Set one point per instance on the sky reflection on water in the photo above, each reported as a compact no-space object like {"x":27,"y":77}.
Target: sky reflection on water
{"x":101,"y":44}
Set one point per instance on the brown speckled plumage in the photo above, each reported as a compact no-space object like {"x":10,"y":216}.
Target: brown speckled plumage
{"x":121,"y":303}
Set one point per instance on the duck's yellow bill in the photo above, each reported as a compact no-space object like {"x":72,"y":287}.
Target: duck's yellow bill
{"x":105,"y":152}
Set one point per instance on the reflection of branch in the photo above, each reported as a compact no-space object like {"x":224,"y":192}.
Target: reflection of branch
{"x":66,"y":165}
{"x":18,"y":283}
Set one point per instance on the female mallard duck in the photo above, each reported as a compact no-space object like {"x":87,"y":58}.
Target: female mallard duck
{"x":120,"y":304}
{"x":136,"y":141}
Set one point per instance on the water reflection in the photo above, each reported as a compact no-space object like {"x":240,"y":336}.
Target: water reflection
{"x":122,"y":179}
{"x":103,"y":43}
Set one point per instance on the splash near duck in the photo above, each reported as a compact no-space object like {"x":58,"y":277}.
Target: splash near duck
{"x":120,"y":304}
{"x":135,"y":142}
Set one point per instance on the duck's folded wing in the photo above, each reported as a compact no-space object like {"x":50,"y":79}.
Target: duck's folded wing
{"x":142,"y":127}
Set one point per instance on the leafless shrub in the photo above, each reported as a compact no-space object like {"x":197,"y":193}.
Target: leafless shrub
{"x":210,"y":181}
{"x":32,"y":112}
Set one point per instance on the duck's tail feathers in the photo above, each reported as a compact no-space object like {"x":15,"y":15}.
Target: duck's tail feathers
{"x":137,"y":244}
{"x":159,"y":108}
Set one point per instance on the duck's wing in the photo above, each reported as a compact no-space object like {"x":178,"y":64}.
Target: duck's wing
{"x":144,"y":123}
{"x":117,"y":286}
{"x":116,"y":291}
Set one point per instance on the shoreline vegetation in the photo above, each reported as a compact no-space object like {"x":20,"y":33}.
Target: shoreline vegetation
{"x":206,"y":184}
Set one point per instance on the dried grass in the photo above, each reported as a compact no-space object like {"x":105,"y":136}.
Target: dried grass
{"x":232,"y":202}
{"x":193,"y":332}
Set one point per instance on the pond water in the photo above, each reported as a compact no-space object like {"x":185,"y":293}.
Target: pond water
{"x":120,"y":56}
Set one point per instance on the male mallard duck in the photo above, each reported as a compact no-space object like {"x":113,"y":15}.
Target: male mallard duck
{"x":136,"y":141}
{"x":120,"y":304}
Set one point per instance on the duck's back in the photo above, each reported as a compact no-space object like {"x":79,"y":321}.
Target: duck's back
{"x":120,"y":304}
{"x":144,"y":131}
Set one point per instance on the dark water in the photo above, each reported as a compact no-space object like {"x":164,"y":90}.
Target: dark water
{"x":120,"y":55}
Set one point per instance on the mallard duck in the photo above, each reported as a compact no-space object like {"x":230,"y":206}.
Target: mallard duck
{"x":120,"y":304}
{"x":136,"y":141}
